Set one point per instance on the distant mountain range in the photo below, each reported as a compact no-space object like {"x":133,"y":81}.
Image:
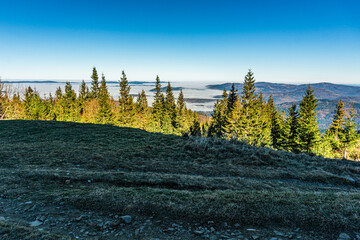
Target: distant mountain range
{"x":327,"y":93}
{"x":290,"y":92}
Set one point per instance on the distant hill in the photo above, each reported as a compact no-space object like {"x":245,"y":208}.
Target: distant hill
{"x":290,"y":92}
{"x":163,"y":89}
{"x":325,"y":110}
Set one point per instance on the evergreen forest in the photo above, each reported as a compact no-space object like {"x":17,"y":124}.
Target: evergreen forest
{"x":240,"y":115}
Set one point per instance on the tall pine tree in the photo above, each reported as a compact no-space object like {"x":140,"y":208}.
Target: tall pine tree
{"x":309,"y":132}
{"x":276,"y":123}
{"x":292,"y":130}
{"x":170,"y":106}
{"x":218,"y":122}
{"x":105,"y":114}
{"x":95,"y":89}
{"x":351,"y":136}
{"x":158,"y":106}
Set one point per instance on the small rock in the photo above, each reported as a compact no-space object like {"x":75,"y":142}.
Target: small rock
{"x":251,"y":229}
{"x":2,"y":218}
{"x":35,"y":223}
{"x":279,"y":233}
{"x":127,"y":219}
{"x":79,"y":218}
{"x":28,"y":202}
{"x":198,"y":232}
{"x":350,"y":179}
{"x":344,"y":236}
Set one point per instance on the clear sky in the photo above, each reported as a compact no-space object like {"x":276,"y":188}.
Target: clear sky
{"x":281,"y":41}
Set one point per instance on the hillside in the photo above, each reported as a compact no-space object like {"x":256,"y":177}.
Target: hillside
{"x":62,"y":180}
{"x":293,"y":92}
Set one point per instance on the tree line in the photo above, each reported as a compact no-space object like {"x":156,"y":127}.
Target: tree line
{"x":244,"y":116}
{"x":93,"y":104}
{"x":248,"y":117}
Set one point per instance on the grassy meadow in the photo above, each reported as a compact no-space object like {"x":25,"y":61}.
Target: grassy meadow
{"x":110,"y":169}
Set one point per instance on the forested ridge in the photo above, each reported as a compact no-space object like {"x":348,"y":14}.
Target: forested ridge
{"x":240,"y":115}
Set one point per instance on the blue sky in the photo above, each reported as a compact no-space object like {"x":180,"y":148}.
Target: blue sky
{"x":281,"y":41}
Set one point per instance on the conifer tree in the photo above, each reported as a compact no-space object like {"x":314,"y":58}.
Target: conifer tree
{"x":262,"y":124}
{"x":339,"y":117}
{"x":127,"y":108}
{"x":292,"y":130}
{"x":68,"y":105}
{"x":95,"y":89}
{"x":218,"y":122}
{"x":233,"y":97}
{"x":336,"y":129}
{"x":276,"y":124}
{"x":195,"y":129}
{"x":170,"y":106}
{"x":250,"y":122}
{"x":351,"y":136}
{"x":58,"y":94}
{"x":181,"y":121}
{"x":125,"y":99}
{"x":143,"y":111}
{"x":181,"y":101}
{"x":232,"y":129}
{"x":29,"y":94}
{"x":158,"y":105}
{"x":83,"y":96}
{"x":105,"y":114}
{"x":141,"y":102}
{"x":83,"y":92}
{"x":309,"y":132}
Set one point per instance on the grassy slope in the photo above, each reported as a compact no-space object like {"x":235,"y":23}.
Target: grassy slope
{"x":131,"y":171}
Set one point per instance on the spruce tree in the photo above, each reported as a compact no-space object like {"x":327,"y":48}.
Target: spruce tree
{"x":233,"y":97}
{"x":195,"y":129}
{"x":250,"y":123}
{"x":276,"y":124}
{"x":105,"y":114}
{"x":83,"y":92}
{"x":83,"y":96}
{"x":69,"y":110}
{"x":292,"y":130}
{"x":58,"y":94}
{"x":248,"y":96}
{"x":181,"y":122}
{"x":309,"y":132}
{"x":141,"y":102}
{"x":218,"y":122}
{"x":232,"y":129}
{"x":125,"y":99}
{"x":95,"y":89}
{"x":29,"y":94}
{"x":262,"y":123}
{"x":142,"y":110}
{"x":351,"y":136}
{"x":336,"y":129}
{"x":158,"y":106}
{"x":170,"y":106}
